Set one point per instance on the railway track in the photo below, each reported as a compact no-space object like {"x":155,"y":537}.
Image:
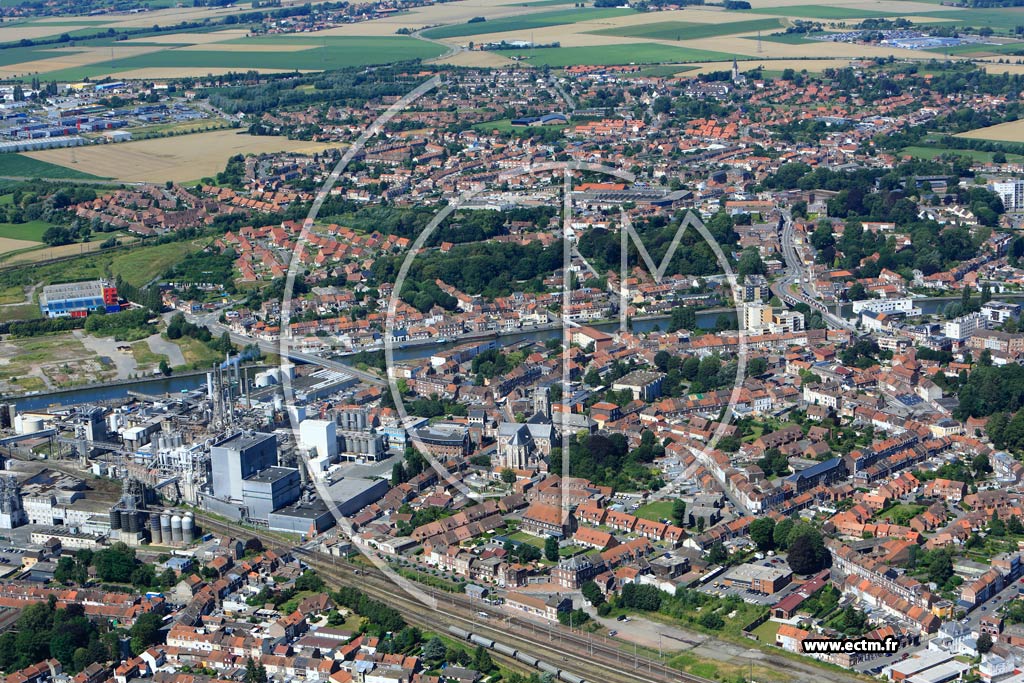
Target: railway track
{"x":584,"y":656}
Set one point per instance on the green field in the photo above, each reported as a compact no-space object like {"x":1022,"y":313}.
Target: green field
{"x":682,"y":30}
{"x":331,"y":52}
{"x":505,"y":126}
{"x":629,"y":53}
{"x":820,"y":12}
{"x":1008,"y":48}
{"x":1002,"y":20}
{"x":975,"y":155}
{"x":32,"y":230}
{"x":786,"y":38}
{"x":20,"y":166}
{"x":655,"y":511}
{"x":524,"y":23}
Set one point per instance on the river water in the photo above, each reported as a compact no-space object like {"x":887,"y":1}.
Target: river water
{"x":705,"y":320}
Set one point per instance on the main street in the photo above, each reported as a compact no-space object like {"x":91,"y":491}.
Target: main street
{"x":795,"y":276}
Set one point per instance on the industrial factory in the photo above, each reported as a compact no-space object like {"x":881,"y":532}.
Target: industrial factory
{"x":142,"y":469}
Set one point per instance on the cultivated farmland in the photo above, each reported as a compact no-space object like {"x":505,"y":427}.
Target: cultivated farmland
{"x":181,"y":159}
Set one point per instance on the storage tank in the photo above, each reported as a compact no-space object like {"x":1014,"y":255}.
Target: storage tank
{"x":133,"y":522}
{"x":115,"y":520}
{"x":126,"y":521}
{"x":165,"y":526}
{"x":176,"y":528}
{"x":154,"y":530}
{"x":188,"y":528}
{"x":19,"y":426}
{"x":31,"y":425}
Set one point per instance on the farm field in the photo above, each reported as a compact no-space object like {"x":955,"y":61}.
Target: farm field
{"x":681,"y":30}
{"x":12,"y":244}
{"x":21,"y":166}
{"x":1007,"y":132}
{"x":822,"y":12}
{"x":1002,"y":20}
{"x":192,"y":53}
{"x":181,"y":159}
{"x":32,"y":231}
{"x":524,"y":23}
{"x":977,"y":155}
{"x":979,"y":50}
{"x":629,"y":53}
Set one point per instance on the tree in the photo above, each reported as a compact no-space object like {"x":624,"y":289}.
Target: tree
{"x":781,"y":534}
{"x":398,"y":475}
{"x":592,"y":592}
{"x":310,"y":581}
{"x":482,"y":660}
{"x":996,"y":526}
{"x":717,"y":554}
{"x":165,"y":369}
{"x":762,"y":533}
{"x":551,"y":549}
{"x":434,"y":650}
{"x":807,"y":552}
{"x":508,"y":476}
{"x":145,"y":632}
{"x":254,"y":673}
{"x":679,"y":512}
{"x":984,"y":643}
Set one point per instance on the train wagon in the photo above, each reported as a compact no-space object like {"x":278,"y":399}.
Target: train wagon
{"x":569,"y":677}
{"x":456,"y":631}
{"x":549,"y":668}
{"x":527,"y":658}
{"x":504,"y":649}
{"x":480,"y":640}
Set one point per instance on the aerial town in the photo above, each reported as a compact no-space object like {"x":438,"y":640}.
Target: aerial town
{"x":596,"y":373}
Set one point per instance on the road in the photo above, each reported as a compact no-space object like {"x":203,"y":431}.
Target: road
{"x":795,"y":275}
{"x":276,"y":347}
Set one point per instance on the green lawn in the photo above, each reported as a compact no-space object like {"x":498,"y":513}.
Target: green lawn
{"x":682,"y":30}
{"x":528,"y":539}
{"x":975,"y":155}
{"x":766,"y":632}
{"x":524,"y":23}
{"x":32,"y":230}
{"x":629,"y":53}
{"x":139,"y":266}
{"x":902,"y":513}
{"x":821,"y":12}
{"x":505,"y":126}
{"x":20,"y":166}
{"x":662,"y":509}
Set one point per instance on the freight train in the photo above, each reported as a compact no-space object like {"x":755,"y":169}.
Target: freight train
{"x":519,"y":655}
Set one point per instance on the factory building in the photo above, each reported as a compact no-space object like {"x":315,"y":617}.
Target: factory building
{"x":240,"y":455}
{"x":78,"y":299}
{"x":247,"y":482}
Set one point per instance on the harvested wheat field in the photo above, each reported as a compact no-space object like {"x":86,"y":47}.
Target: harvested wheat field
{"x":191,"y":38}
{"x":446,"y":13}
{"x":182,"y":158}
{"x":811,"y":65}
{"x":1009,"y":132}
{"x":475,"y":58}
{"x":8,"y":244}
{"x":747,"y":44}
{"x":991,"y":68}
{"x":12,"y":34}
{"x":70,"y":58}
